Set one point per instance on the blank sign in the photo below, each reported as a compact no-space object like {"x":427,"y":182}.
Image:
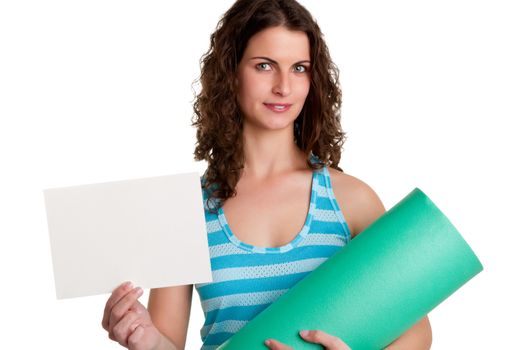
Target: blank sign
{"x":150,"y":231}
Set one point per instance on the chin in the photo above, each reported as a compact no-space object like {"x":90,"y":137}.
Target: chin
{"x":269,"y":120}
{"x":277,"y":123}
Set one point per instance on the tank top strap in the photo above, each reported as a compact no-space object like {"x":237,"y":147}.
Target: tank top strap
{"x":326,"y":199}
{"x":314,"y":159}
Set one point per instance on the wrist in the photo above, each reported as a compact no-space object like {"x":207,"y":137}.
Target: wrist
{"x":165,"y":344}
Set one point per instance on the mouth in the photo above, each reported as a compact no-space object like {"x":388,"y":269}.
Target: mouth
{"x":278,"y":107}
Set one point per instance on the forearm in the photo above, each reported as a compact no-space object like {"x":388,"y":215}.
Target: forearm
{"x":419,"y":337}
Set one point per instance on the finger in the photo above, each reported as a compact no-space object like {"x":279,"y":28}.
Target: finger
{"x":276,"y":345}
{"x":126,"y":302}
{"x":117,"y":294}
{"x":135,"y":337}
{"x":328,"y":341}
{"x":126,"y":326}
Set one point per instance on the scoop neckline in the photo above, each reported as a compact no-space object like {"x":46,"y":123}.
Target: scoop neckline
{"x":283,"y":248}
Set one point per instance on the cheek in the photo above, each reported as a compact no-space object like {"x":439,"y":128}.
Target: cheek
{"x":303,"y":87}
{"x":251,"y":91}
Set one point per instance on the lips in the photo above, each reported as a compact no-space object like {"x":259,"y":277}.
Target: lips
{"x":278,"y":107}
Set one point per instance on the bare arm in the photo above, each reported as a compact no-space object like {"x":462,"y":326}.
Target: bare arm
{"x":419,"y":337}
{"x":364,"y":209}
{"x":169,"y":309}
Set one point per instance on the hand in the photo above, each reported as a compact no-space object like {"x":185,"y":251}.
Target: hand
{"x":318,"y":337}
{"x":128,"y":321}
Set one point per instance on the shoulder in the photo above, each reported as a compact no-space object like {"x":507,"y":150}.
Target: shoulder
{"x":358,"y":202}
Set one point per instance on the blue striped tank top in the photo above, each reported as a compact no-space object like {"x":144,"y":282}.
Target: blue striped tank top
{"x":247,"y":279}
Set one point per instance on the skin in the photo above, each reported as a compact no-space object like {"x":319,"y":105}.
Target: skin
{"x":275,"y":180}
{"x":272,"y":159}
{"x":127,"y":321}
{"x":273,"y":69}
{"x":275,"y":170}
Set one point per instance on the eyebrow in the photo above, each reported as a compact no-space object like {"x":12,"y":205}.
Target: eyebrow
{"x":273,"y":61}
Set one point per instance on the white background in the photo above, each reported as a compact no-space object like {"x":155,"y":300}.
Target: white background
{"x":434,"y":94}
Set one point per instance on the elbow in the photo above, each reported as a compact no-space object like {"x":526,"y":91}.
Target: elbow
{"x":419,"y":337}
{"x":427,"y":334}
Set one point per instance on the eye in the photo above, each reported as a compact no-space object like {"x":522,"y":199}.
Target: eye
{"x":302,"y":69}
{"x":260,"y":66}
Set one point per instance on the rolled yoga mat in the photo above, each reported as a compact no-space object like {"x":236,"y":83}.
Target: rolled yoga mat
{"x":376,"y":287}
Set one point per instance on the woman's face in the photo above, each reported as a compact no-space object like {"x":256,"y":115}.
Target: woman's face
{"x":274,"y":78}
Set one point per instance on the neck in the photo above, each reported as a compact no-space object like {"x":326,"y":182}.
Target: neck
{"x":269,"y":153}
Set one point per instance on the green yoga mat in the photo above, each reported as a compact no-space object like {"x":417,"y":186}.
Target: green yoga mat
{"x":375,"y":288}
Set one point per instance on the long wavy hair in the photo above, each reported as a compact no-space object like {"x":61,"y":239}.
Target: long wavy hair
{"x":217,"y":116}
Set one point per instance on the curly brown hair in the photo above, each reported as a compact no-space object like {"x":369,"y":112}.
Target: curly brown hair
{"x":218,"y":119}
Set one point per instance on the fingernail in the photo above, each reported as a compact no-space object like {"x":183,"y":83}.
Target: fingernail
{"x":128,"y":285}
{"x":267,"y":342}
{"x":139,"y":291}
{"x":304,"y":333}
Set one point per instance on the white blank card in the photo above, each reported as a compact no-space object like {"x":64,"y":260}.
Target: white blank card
{"x":150,"y":231}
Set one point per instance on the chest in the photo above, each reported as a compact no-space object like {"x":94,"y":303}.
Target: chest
{"x":269,"y":215}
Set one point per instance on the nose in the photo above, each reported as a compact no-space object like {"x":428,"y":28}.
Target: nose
{"x":282,"y":84}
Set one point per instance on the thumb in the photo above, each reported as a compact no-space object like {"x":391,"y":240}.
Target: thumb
{"x":313,"y":336}
{"x":328,"y":341}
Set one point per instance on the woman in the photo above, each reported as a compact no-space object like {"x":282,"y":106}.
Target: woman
{"x":277,"y":204}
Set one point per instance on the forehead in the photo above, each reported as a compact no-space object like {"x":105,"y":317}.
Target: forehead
{"x":279,"y":42}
